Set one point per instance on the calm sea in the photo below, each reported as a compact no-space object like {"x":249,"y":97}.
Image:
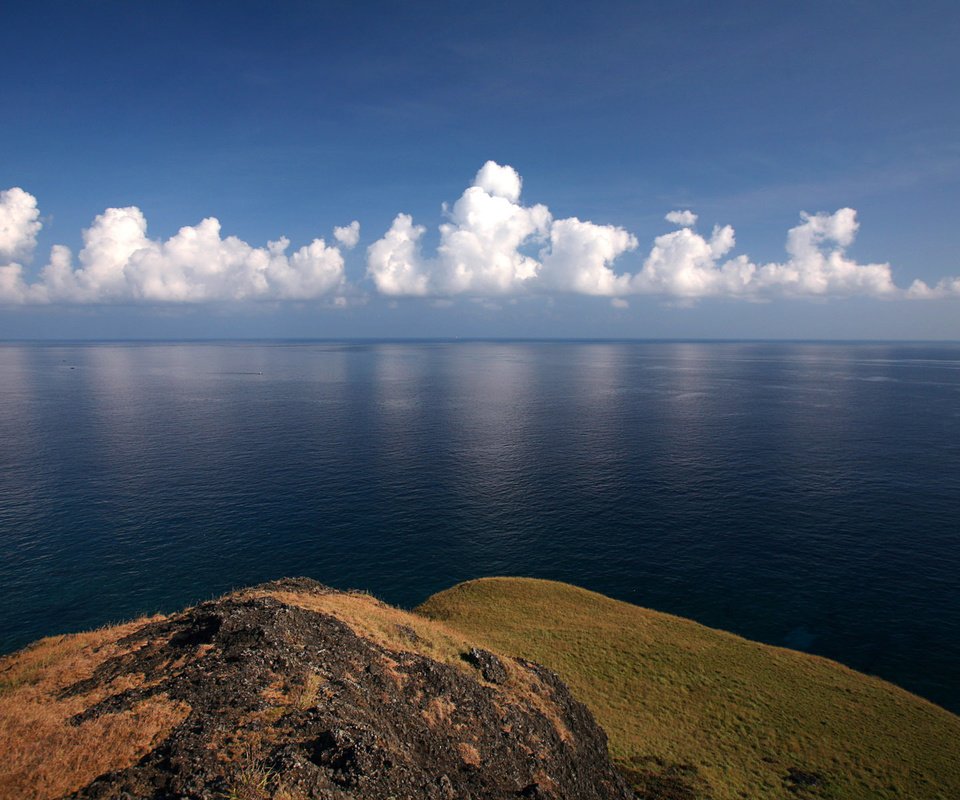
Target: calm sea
{"x":805,"y":495}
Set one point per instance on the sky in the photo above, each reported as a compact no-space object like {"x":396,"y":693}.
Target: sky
{"x":525,"y":169}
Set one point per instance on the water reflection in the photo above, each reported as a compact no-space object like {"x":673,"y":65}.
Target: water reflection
{"x":765,"y":488}
{"x":493,"y":404}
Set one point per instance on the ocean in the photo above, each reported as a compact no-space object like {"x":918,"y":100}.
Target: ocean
{"x":801,"y":494}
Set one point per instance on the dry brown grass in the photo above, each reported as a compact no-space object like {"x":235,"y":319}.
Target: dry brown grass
{"x":391,"y":628}
{"x":438,"y":711}
{"x":469,"y":754}
{"x":304,"y":695}
{"x":251,"y":780}
{"x":529,"y":692}
{"x":289,"y":793}
{"x":41,"y":754}
{"x":392,"y":668}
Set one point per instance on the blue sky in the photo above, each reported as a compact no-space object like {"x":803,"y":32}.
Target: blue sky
{"x":290,"y":119}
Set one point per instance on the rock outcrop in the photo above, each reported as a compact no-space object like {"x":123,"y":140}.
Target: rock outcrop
{"x":293,"y":690}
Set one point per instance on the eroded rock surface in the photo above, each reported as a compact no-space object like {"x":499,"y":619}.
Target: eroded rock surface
{"x":288,"y":703}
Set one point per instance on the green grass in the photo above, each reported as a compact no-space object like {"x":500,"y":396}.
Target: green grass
{"x":673,"y":694}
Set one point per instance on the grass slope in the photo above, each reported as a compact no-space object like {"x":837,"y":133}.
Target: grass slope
{"x":696,"y":712}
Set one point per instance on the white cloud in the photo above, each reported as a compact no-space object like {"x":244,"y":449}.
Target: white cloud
{"x":499,"y":181}
{"x":12,"y":288}
{"x":818,"y":264}
{"x":491,"y":245}
{"x":684,"y":264}
{"x":486,"y":248}
{"x":348,"y":235}
{"x":948,"y":287}
{"x":19,"y":224}
{"x":394,"y":262}
{"x":480,"y":247}
{"x":686,"y":219}
{"x":579,"y":256}
{"x":119,"y":263}
{"x":687,"y":265}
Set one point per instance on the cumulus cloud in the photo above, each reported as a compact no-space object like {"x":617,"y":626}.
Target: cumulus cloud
{"x":348,"y":235}
{"x":480,"y":247}
{"x":686,"y":219}
{"x":818,"y":264}
{"x":579,"y":255}
{"x":493,"y":244}
{"x":120,"y":263}
{"x":685,"y":264}
{"x":19,"y":224}
{"x":948,"y":287}
{"x":487,"y":247}
{"x":688,"y":265}
{"x":394,"y":262}
{"x":499,"y":181}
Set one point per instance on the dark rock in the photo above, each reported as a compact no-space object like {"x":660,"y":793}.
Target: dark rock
{"x":293,"y":703}
{"x":489,"y":665}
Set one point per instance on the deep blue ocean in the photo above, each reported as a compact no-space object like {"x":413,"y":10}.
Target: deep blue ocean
{"x":802,"y":494}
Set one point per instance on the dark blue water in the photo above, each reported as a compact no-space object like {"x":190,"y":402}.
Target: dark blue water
{"x":800,"y":494}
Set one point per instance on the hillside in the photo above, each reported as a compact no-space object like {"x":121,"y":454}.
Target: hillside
{"x":694,"y":712}
{"x":289,"y":691}
{"x":292,"y":690}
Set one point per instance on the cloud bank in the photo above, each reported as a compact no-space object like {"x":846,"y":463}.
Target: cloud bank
{"x":491,"y":245}
{"x":120,"y":263}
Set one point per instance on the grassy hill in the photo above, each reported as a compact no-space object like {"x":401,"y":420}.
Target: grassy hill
{"x":694,"y":712}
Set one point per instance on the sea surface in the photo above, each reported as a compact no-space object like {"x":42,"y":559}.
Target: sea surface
{"x":802,"y":494}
